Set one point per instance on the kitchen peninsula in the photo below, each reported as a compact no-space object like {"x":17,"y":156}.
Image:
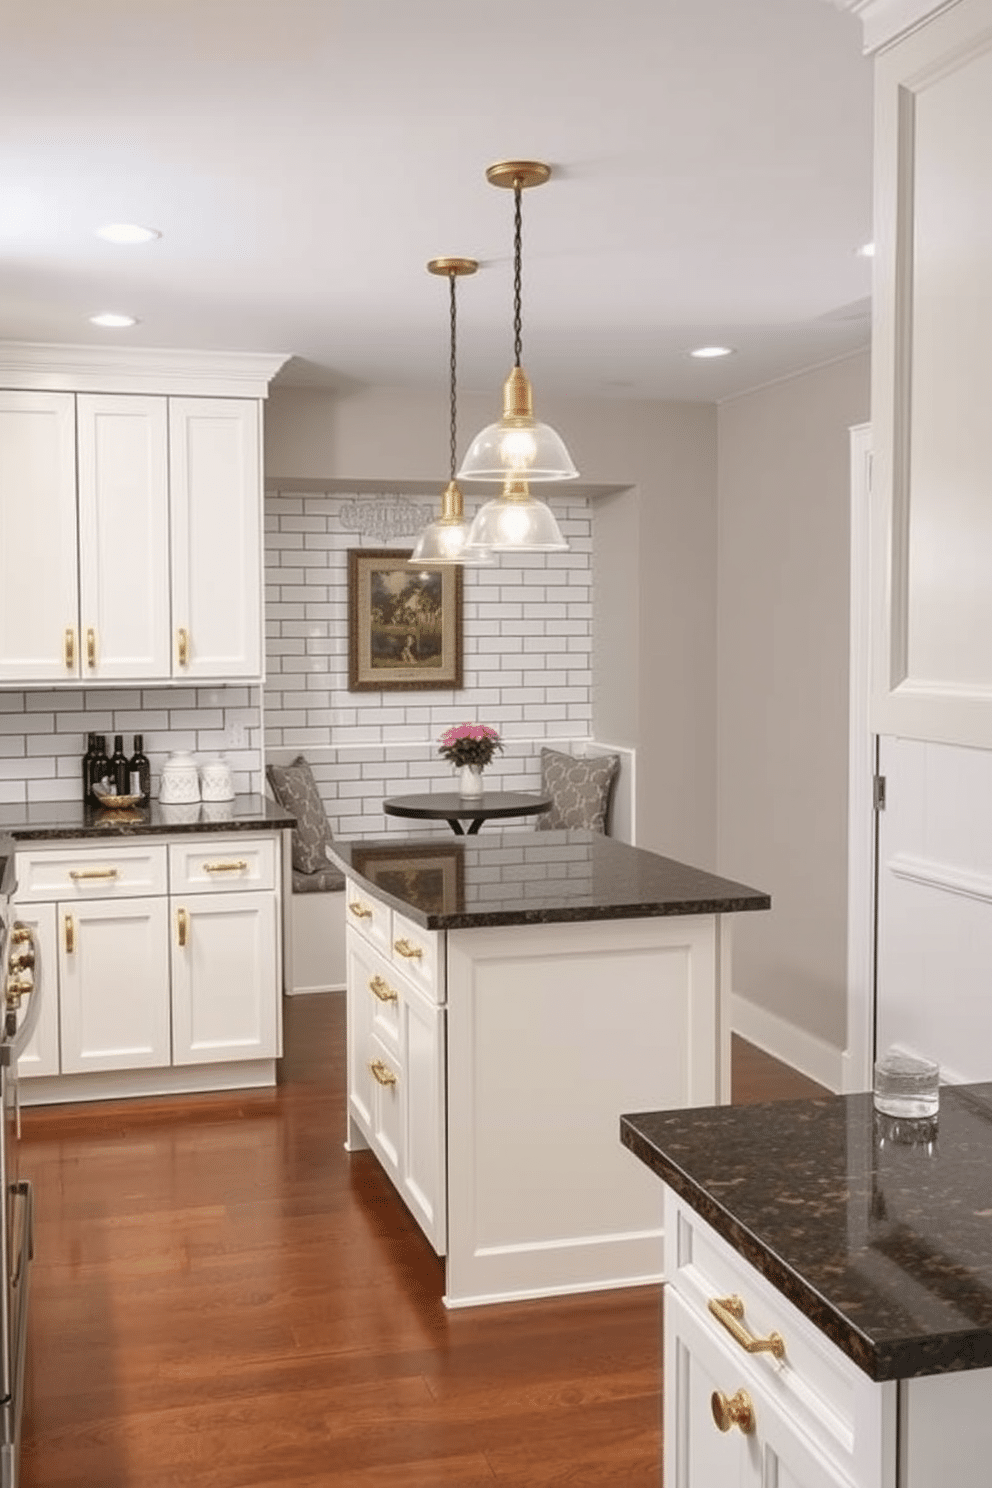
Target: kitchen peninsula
{"x":828,"y":1307}
{"x":158,"y":931}
{"x":508,"y":997}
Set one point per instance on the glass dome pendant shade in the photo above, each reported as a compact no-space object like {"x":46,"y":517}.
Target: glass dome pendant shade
{"x":516,"y":522}
{"x":444,"y":540}
{"x":518,"y":447}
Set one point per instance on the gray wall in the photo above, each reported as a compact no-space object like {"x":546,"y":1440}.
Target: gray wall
{"x":782,"y":684}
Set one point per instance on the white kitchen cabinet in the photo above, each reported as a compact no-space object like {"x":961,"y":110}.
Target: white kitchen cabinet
{"x":39,"y":595}
{"x":113,"y":984}
{"x":123,"y":513}
{"x":223,"y":954}
{"x":132,"y":519}
{"x":396,"y":1068}
{"x":216,"y":525}
{"x":157,"y":957}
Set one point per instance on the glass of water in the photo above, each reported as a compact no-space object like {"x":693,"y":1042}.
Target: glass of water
{"x":906,"y":1086}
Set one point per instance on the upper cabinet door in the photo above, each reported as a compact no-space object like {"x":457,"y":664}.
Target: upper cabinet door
{"x":931,"y":382}
{"x":216,"y":505}
{"x":123,"y":538}
{"x":39,"y":609}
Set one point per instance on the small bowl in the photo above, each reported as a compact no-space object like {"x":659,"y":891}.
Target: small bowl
{"x":116,"y":803}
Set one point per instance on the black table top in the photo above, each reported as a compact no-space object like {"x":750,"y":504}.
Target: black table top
{"x":450,"y":806}
{"x":527,"y":877}
{"x":885,"y":1243}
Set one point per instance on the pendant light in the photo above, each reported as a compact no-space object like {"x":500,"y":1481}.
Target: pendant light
{"x":444,"y":541}
{"x":517,"y":450}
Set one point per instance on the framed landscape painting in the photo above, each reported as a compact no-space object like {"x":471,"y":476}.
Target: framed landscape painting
{"x":404,"y":623}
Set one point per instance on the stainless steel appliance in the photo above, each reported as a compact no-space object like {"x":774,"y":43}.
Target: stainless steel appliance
{"x":20,"y":967}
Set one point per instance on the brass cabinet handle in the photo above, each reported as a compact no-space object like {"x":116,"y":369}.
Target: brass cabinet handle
{"x":381,"y":989}
{"x":182,"y":926}
{"x":382,"y":1072}
{"x":69,"y":644}
{"x":91,"y":647}
{"x":737,"y":1411}
{"x":411,"y":952}
{"x":359,"y":910}
{"x":182,"y":647}
{"x":69,"y":927}
{"x":729,"y":1311}
{"x":93,"y":872}
{"x":236,"y":865}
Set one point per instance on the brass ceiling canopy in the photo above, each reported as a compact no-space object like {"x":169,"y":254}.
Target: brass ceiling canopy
{"x":514,"y":174}
{"x":446,"y":266}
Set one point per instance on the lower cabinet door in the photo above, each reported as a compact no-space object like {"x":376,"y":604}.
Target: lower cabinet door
{"x":360,"y":1015}
{"x":41,"y":1057}
{"x":388,"y":1100}
{"x":225,"y":978}
{"x":423,"y":1173}
{"x":113,"y":977}
{"x":708,"y":1386}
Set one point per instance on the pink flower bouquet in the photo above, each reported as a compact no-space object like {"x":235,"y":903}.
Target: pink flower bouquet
{"x":469,"y":744}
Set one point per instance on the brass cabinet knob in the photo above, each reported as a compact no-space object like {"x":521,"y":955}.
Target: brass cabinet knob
{"x":735,"y":1411}
{"x":359,"y":910}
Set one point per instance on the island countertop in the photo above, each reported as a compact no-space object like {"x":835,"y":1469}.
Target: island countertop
{"x":528,"y":877}
{"x":879,"y":1232}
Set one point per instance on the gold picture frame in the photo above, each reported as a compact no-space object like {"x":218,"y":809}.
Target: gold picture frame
{"x":404,"y":623}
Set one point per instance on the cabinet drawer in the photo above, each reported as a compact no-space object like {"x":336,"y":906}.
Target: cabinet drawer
{"x":418,"y":953}
{"x":369,"y":916}
{"x":212,"y":865}
{"x":834,"y":1402}
{"x":116,"y":872}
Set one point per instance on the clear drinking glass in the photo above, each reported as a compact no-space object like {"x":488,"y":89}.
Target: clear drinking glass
{"x":906,"y":1086}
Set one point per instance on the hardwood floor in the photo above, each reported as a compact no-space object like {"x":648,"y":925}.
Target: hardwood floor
{"x":223,"y":1298}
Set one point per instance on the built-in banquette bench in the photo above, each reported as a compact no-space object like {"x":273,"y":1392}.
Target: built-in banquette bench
{"x":591,"y":783}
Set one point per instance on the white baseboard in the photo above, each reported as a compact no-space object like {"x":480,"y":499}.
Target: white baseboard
{"x":810,"y":1055}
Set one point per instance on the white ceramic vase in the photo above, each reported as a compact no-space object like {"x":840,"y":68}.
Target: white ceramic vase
{"x":470,"y":781}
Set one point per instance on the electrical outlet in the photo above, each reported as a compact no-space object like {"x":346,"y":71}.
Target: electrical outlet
{"x":236,"y":736}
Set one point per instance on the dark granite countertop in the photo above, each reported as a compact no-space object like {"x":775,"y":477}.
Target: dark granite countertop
{"x":529,"y":877}
{"x":879,"y":1232}
{"x":54,"y":821}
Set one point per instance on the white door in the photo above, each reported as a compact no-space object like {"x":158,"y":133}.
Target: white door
{"x":932,"y":537}
{"x":423,"y":1163}
{"x":216,"y":507}
{"x":113,"y":984}
{"x":123,"y":537}
{"x":39,"y":606}
{"x":225,"y":978}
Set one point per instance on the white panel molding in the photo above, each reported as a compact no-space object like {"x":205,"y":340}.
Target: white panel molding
{"x":139,"y":369}
{"x":786,"y":1041}
{"x":934,"y":875}
{"x":860,"y":772}
{"x":884,"y":21}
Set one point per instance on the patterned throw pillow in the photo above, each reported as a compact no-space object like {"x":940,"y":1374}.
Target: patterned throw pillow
{"x":580,"y":787}
{"x":295,"y":788}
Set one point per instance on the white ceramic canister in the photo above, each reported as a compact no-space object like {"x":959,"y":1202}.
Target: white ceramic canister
{"x":216,"y":782}
{"x":180,"y":782}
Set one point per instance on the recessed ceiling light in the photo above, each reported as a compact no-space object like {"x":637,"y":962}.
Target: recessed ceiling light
{"x":127,"y":232}
{"x":867,"y":250}
{"x":712,"y":351}
{"x":113,"y":320}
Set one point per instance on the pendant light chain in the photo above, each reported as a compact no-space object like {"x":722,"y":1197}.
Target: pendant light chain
{"x":453,"y":441}
{"x":517,"y":234}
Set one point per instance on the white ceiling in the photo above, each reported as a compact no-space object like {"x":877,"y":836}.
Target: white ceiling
{"x":304,"y":158}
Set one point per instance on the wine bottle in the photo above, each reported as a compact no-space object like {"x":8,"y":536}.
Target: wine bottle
{"x":88,"y":766}
{"x":139,"y":772}
{"x":119,"y":778}
{"x":100,"y":768}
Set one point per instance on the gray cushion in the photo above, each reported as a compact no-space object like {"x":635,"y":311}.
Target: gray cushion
{"x":295,"y":788}
{"x":580,"y":787}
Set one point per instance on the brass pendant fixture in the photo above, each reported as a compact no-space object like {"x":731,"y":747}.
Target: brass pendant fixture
{"x":517,"y":450}
{"x":444,"y":541}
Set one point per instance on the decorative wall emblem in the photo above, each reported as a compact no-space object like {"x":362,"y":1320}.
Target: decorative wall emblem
{"x":384,"y":517}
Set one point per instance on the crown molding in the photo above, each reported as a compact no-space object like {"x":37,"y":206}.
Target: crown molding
{"x":885,"y":21}
{"x":140,"y":369}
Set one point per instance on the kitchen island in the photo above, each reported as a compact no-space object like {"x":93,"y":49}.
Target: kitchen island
{"x":508,"y":997}
{"x":863,"y":1245}
{"x":158,"y":934}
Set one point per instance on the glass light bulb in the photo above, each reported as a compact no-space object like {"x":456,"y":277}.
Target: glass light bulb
{"x":518,"y":449}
